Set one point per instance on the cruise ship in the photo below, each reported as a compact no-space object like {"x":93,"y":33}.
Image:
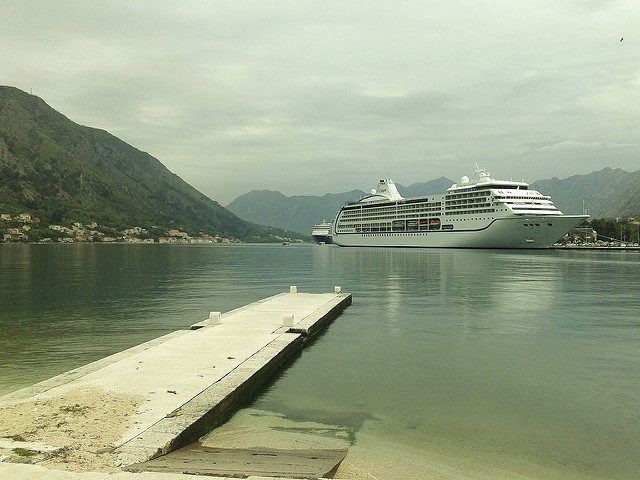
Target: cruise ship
{"x":480,"y":213}
{"x":321,"y":232}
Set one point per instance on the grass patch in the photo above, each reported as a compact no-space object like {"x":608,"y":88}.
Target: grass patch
{"x":75,"y":409}
{"x":23,"y":452}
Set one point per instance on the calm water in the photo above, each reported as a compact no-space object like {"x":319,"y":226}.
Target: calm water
{"x":522,"y":363}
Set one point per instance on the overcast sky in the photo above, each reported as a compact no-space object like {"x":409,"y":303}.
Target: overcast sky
{"x":327,"y":96}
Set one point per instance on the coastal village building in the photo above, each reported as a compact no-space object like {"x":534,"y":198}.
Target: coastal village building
{"x":177,"y":233}
{"x":582,"y":235}
{"x":136,"y":231}
{"x":78,"y":232}
{"x":60,"y":228}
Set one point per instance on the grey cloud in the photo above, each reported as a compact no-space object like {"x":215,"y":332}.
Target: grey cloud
{"x":311,"y":97}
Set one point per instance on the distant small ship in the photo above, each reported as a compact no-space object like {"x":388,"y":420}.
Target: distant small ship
{"x":321,"y":232}
{"x":484,"y":213}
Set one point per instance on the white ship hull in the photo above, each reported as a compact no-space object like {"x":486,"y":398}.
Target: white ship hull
{"x":505,"y":232}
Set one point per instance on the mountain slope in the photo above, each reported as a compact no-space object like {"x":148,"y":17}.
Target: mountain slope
{"x":606,"y":193}
{"x":432,"y":187}
{"x":59,"y":170}
{"x":299,"y":213}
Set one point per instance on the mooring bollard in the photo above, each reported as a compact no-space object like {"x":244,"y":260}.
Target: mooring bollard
{"x":215,"y":318}
{"x":287,"y":320}
{"x":293,"y":289}
{"x":337,"y":289}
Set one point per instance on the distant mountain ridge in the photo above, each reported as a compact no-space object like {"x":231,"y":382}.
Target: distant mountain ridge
{"x":296,"y":213}
{"x":299,"y":213}
{"x":608,"y":193}
{"x":59,"y":170}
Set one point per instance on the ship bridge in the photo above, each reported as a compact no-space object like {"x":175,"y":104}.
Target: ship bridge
{"x":502,"y":197}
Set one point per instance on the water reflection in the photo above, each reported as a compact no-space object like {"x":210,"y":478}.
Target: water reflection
{"x":510,"y":358}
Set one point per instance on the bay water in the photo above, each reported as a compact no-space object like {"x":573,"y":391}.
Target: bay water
{"x":449,"y":364}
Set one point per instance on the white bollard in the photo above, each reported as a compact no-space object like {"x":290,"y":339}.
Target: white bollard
{"x":293,"y":289}
{"x":337,"y":289}
{"x":215,"y":318}
{"x":287,"y":320}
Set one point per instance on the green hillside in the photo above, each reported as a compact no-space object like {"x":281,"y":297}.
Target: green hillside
{"x":62,"y":171}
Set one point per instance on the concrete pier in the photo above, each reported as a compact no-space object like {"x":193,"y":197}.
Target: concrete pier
{"x":19,"y":471}
{"x":178,"y":386}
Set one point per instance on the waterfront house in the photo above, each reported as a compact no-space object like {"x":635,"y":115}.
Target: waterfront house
{"x":178,"y":233}
{"x":135,"y":231}
{"x":60,"y":228}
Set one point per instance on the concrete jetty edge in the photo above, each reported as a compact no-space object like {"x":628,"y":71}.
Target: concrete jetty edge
{"x":318,"y":320}
{"x":23,"y":471}
{"x":214,"y":405}
{"x":185,"y":383}
{"x":72,"y":375}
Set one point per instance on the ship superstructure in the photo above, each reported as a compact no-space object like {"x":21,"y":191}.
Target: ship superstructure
{"x":321,"y":232}
{"x":484,"y":213}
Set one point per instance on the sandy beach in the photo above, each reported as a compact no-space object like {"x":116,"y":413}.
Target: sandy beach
{"x":102,"y":417}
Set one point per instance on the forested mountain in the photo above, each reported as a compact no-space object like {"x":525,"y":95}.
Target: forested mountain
{"x":62,"y":171}
{"x":299,"y":213}
{"x":607,"y":193}
{"x":432,"y":187}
